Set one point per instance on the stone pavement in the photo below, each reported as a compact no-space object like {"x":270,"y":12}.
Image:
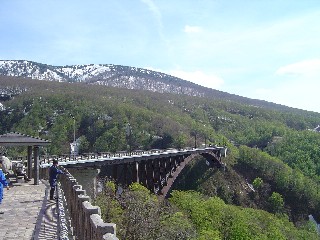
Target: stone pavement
{"x":28,"y":214}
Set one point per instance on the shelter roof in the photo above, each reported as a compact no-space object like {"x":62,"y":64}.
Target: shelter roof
{"x":18,"y":139}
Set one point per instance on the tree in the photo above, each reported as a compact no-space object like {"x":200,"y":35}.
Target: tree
{"x":84,"y":145}
{"x":276,"y":202}
{"x":257,"y":183}
{"x":112,"y":140}
{"x":180,"y":141}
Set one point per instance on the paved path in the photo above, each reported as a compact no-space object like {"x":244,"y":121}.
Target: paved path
{"x":28,"y":214}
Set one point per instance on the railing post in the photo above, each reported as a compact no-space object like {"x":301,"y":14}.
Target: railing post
{"x":104,"y":230}
{"x":85,"y":218}
{"x":88,"y":210}
{"x":80,"y":229}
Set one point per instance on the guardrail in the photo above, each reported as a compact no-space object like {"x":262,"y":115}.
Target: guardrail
{"x":85,"y":218}
{"x":87,"y":156}
{"x":44,"y":159}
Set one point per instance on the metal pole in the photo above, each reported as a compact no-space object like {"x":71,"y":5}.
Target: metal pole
{"x":128,"y":133}
{"x":74,"y":130}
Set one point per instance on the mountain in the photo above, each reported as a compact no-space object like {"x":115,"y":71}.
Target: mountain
{"x":99,"y":116}
{"x":102,"y":74}
{"x":122,"y":77}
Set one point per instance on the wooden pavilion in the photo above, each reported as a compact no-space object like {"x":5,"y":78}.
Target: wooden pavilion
{"x":14,"y":139}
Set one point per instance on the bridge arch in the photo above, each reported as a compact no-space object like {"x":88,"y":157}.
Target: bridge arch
{"x":155,"y":169}
{"x":214,"y":159}
{"x":159,"y":172}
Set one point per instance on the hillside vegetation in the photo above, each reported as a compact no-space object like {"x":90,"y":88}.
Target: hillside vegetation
{"x":275,"y":150}
{"x":124,"y":77}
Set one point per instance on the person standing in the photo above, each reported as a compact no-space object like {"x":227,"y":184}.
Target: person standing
{"x":53,"y":176}
{"x":20,"y":170}
{"x":3,"y":183}
{"x":6,"y":165}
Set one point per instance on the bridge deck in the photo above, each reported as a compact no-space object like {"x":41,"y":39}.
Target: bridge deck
{"x":95,"y":160}
{"x":27,"y":213}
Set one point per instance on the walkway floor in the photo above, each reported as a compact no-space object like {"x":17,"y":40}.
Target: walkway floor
{"x":28,"y":214}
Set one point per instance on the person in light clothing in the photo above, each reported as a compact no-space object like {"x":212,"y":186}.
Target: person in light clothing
{"x":6,"y":165}
{"x":3,"y":183}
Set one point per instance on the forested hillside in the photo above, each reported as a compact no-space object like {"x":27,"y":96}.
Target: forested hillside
{"x":275,"y":151}
{"x":124,"y":77}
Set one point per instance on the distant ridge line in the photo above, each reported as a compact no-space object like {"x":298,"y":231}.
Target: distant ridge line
{"x":124,"y":77}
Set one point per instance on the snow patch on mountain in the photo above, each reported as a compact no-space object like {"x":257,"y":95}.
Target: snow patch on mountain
{"x":101,"y":74}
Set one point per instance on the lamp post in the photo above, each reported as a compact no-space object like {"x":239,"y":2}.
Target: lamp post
{"x":74,"y":129}
{"x":205,"y":136}
{"x":73,"y":144}
{"x":128,"y":133}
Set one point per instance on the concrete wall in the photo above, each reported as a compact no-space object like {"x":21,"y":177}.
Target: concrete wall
{"x":85,"y":218}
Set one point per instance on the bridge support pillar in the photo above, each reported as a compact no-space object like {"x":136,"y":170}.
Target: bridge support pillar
{"x":125,"y":178}
{"x":172,"y":166}
{"x":167,"y":169}
{"x":156,"y":176}
{"x":135,"y":172}
{"x":162,"y":172}
{"x":115,"y":172}
{"x":143,"y":173}
{"x":149,"y":175}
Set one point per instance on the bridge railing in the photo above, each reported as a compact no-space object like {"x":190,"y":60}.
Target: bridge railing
{"x":86,"y":156}
{"x":85,"y":218}
{"x":44,"y":159}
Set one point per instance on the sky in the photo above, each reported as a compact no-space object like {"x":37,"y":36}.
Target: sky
{"x":260,"y":49}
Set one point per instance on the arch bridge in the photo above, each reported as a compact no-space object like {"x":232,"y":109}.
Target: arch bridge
{"x":154,"y":169}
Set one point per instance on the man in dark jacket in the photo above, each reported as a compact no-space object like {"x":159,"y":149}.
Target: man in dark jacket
{"x":53,"y":175}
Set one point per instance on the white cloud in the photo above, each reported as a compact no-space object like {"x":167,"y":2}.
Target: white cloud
{"x":295,"y":85}
{"x":158,"y":18}
{"x":309,"y":67}
{"x":293,"y":94}
{"x":192,"y":29}
{"x":154,"y":9}
{"x":156,"y":13}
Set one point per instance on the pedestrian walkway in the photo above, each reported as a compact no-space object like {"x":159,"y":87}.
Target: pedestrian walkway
{"x":28,"y":214}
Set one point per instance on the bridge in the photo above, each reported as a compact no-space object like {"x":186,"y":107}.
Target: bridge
{"x":155,"y":169}
{"x":76,"y":217}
